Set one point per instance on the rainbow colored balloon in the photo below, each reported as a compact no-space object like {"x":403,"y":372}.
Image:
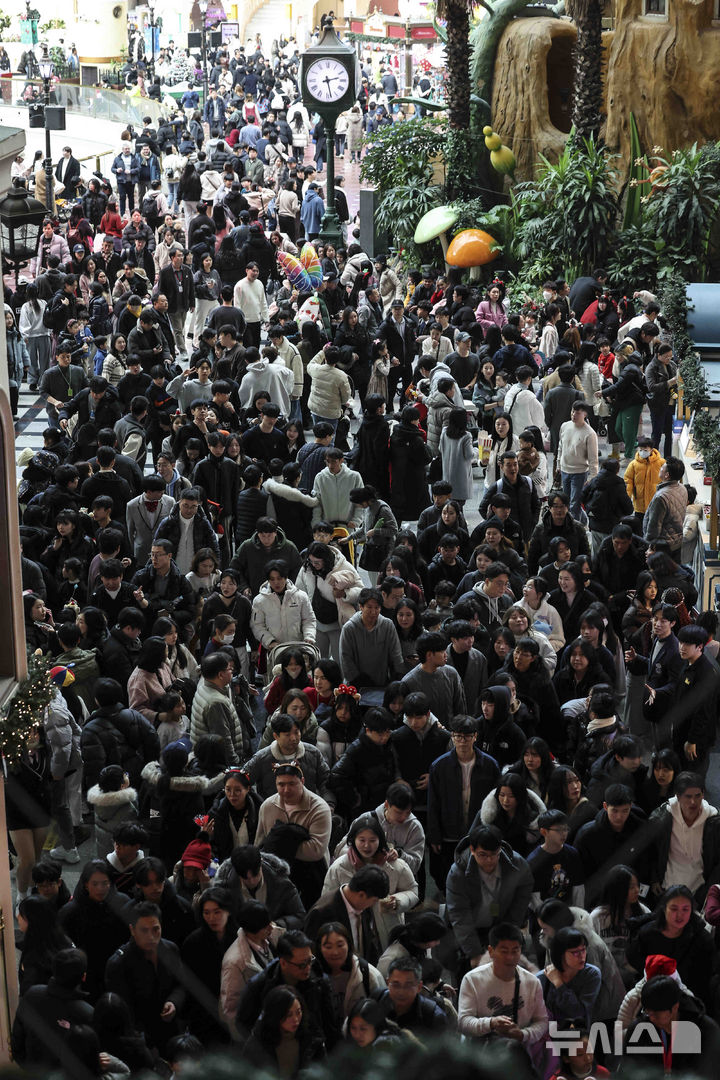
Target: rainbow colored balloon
{"x":305,"y":273}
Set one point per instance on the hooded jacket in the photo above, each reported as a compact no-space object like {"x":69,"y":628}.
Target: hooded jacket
{"x":275,"y":378}
{"x":641,"y":478}
{"x":439,"y":407}
{"x":361,"y":777}
{"x":606,"y":501}
{"x":329,"y":390}
{"x":111,"y":809}
{"x":63,"y":737}
{"x":500,"y":737}
{"x":416,"y":751}
{"x":275,"y":890}
{"x":311,"y":211}
{"x":661,"y":825}
{"x":403,"y":887}
{"x":607,"y":771}
{"x":464,"y":896}
{"x":117,"y":736}
{"x":240,"y":963}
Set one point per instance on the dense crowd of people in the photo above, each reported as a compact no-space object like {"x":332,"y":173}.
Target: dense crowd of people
{"x":355,"y":770}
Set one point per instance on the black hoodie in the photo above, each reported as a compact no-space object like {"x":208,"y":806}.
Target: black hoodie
{"x":500,"y":737}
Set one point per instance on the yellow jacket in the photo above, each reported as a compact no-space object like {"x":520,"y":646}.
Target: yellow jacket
{"x":641,"y":479}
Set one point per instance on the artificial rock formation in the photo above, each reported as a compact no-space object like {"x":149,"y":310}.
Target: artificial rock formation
{"x":665,"y":71}
{"x":530,"y":105}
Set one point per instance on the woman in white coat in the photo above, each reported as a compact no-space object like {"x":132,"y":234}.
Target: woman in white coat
{"x":281,"y":612}
{"x":333,"y":586}
{"x":368,"y":846}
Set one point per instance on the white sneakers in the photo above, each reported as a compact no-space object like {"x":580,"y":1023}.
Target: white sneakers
{"x":71,"y":856}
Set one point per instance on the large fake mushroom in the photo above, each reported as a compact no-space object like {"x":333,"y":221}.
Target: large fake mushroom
{"x":434,"y":225}
{"x":471,"y":249}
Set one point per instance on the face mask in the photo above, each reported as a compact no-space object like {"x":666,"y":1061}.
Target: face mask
{"x":644,"y":453}
{"x":228,"y":639}
{"x":547,"y":295}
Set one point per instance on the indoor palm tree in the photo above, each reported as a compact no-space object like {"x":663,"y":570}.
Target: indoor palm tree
{"x":587,"y":98}
{"x":457,"y":26}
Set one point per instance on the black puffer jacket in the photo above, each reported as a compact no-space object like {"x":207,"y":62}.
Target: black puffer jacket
{"x":630,"y":387}
{"x":606,"y":501}
{"x":571,"y":530}
{"x":363,"y":774}
{"x":117,"y":736}
{"x":119,"y":657}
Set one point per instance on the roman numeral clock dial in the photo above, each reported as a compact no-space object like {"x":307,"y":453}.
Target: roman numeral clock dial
{"x":327,"y":80}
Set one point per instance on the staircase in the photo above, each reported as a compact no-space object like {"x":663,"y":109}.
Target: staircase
{"x":270,"y":21}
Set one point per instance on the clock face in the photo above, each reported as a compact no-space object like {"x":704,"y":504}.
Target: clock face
{"x":327,"y":80}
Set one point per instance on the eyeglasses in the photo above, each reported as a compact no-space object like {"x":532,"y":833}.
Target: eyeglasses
{"x":302,"y":964}
{"x":463,"y":738}
{"x":578,"y":952}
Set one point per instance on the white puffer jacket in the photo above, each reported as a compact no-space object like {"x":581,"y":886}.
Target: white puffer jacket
{"x":330,"y":389}
{"x":342,"y":576}
{"x":288,"y":619}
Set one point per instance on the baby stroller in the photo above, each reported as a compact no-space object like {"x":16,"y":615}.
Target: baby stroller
{"x":310,"y":652}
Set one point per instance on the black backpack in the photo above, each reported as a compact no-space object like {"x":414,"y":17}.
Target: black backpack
{"x":149,"y":207}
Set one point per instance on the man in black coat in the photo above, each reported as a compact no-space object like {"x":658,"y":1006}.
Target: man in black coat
{"x":98,"y":404}
{"x":672,"y":1035}
{"x":165,"y":591}
{"x":147,"y":974}
{"x":660,"y":670}
{"x":46,"y":1012}
{"x":694,"y":712}
{"x":147,"y":343}
{"x":121,"y":648}
{"x":399,"y":333}
{"x":618,"y":834}
{"x":186,"y":540}
{"x":113,"y":594}
{"x":525,"y":504}
{"x":67,"y":172}
{"x":556,"y":521}
{"x":294,"y":967}
{"x":352,"y":905}
{"x":617,"y":563}
{"x":107,"y":482}
{"x":160,"y":307}
{"x":175,"y":281}
{"x":361,"y":777}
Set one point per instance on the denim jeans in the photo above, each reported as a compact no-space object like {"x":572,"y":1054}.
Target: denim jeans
{"x":572,"y":485}
{"x":317,"y":419}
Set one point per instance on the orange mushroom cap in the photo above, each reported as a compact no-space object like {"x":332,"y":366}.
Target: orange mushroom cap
{"x":471,"y":247}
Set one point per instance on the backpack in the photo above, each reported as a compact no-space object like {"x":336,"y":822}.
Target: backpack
{"x":50,"y":319}
{"x":149,"y":206}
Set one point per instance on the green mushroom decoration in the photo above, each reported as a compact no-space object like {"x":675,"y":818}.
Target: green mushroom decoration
{"x":471,"y":249}
{"x":502,"y":158}
{"x":434,"y":225}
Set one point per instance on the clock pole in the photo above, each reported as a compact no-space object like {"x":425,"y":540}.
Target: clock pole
{"x":342,"y":61}
{"x":331,"y":229}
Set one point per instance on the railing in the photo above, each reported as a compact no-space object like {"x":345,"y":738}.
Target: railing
{"x":97,"y":102}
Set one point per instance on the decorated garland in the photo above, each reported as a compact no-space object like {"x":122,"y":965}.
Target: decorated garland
{"x":25,"y":709}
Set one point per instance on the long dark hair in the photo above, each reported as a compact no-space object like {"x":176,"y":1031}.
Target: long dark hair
{"x":457,"y":424}
{"x":523,"y":813}
{"x":44,"y":934}
{"x":497,"y":439}
{"x":615,"y":893}
{"x":152,"y":654}
{"x":276,"y":1006}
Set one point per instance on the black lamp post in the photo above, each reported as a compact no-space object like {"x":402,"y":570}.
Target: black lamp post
{"x":21,"y":218}
{"x":203,"y":5}
{"x":46,"y":73}
{"x":151,"y":66}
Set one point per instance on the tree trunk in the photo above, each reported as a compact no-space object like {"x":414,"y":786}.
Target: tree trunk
{"x":587,"y":97}
{"x":458,"y":64}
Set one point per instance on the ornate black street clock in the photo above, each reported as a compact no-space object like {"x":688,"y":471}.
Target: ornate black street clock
{"x":330,"y":84}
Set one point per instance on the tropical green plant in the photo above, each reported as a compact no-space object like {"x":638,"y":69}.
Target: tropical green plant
{"x":5,"y":22}
{"x":402,"y":153}
{"x":400,"y":210}
{"x":567,"y":216}
{"x":52,"y":24}
{"x":684,"y":207}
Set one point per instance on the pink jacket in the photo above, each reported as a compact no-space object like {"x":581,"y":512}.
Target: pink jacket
{"x":144,"y":689}
{"x":488,"y":314}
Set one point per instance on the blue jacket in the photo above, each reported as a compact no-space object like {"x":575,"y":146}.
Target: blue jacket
{"x":126,"y":169}
{"x":311,"y":212}
{"x":190,"y":99}
{"x":148,"y":169}
{"x":446,"y":820}
{"x":209,"y":112}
